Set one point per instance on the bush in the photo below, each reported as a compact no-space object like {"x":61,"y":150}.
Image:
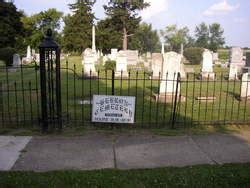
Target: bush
{"x":194,"y":55}
{"x":6,"y":55}
{"x":110,"y":65}
{"x":223,"y":54}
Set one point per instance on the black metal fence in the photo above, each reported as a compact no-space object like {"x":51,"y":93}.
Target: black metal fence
{"x":195,"y":102}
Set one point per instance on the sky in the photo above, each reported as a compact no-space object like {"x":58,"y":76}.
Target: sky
{"x":231,"y":14}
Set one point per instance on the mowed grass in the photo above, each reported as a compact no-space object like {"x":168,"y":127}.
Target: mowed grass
{"x":22,"y":104}
{"x":229,"y":175}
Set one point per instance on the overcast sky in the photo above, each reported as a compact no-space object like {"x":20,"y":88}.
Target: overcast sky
{"x":231,"y":14}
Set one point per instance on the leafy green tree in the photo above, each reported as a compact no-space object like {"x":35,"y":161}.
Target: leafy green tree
{"x":145,"y":39}
{"x":78,"y":26}
{"x":194,"y":55}
{"x":216,"y":37}
{"x":175,"y":36}
{"x":210,"y":37}
{"x":202,"y":35}
{"x":107,"y":36}
{"x":11,"y":26}
{"x":36,"y":26}
{"x":124,"y":18}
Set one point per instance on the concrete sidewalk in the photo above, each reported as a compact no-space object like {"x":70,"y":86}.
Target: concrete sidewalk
{"x":99,"y":151}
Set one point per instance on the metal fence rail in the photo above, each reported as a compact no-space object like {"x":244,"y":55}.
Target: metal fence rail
{"x":199,"y":102}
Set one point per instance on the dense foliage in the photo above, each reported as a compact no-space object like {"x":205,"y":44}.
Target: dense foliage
{"x":145,"y":39}
{"x":210,"y":37}
{"x":78,"y":27}
{"x":202,"y":35}
{"x":175,"y":37}
{"x":36,"y":26}
{"x":6,"y":55}
{"x":110,"y":65}
{"x":123,"y":18}
{"x":194,"y":55}
{"x":11,"y":27}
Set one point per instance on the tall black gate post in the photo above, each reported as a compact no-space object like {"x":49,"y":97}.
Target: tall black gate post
{"x":50,"y":82}
{"x":175,"y":99}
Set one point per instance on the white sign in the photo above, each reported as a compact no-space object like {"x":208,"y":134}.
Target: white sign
{"x":113,"y":109}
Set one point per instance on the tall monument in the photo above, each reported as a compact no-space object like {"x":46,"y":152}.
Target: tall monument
{"x":93,"y":39}
{"x":162,"y":48}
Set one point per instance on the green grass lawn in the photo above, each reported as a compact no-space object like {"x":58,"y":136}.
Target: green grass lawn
{"x":22,"y":107}
{"x":230,"y":175}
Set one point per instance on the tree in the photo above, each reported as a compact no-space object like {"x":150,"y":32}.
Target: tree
{"x":202,"y":35}
{"x":36,"y":26}
{"x":107,"y":36}
{"x":216,"y":37}
{"x":174,"y":36}
{"x":145,"y":39}
{"x":11,"y":26}
{"x":210,"y":37}
{"x":123,"y":15}
{"x":78,"y":27}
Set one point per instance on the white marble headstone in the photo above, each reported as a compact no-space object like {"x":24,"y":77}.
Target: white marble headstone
{"x":156,"y":64}
{"x":113,"y":54}
{"x":236,"y":56}
{"x":171,"y":68}
{"x":121,"y":65}
{"x":245,"y":86}
{"x":207,"y":61}
{"x":207,"y":65}
{"x":89,"y":61}
{"x":215,"y":57}
{"x":132,"y":56}
{"x":233,"y":72}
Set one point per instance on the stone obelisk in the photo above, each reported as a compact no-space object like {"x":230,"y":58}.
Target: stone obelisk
{"x":93,"y":39}
{"x":162,"y":48}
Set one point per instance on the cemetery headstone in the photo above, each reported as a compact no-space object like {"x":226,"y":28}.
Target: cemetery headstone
{"x":215,"y":57}
{"x":245,"y":86}
{"x":182,"y":71}
{"x":189,"y":70}
{"x":132,"y":56}
{"x":113,"y":54}
{"x":236,"y":57}
{"x":89,"y":61}
{"x":171,"y":67}
{"x":156,"y":65}
{"x":246,"y":69}
{"x":121,"y":65}
{"x":33,"y":52}
{"x":16,"y":60}
{"x":233,"y":72}
{"x":148,"y":55}
{"x":248,"y":59}
{"x":207,"y":65}
{"x":37,"y":58}
{"x":168,"y":85}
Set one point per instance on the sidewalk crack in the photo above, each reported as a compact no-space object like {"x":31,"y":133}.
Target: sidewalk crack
{"x":204,"y":152}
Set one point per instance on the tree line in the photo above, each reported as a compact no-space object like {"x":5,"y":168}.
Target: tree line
{"x":122,"y":28}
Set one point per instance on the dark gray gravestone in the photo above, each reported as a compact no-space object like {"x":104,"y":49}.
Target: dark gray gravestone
{"x":248,"y":59}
